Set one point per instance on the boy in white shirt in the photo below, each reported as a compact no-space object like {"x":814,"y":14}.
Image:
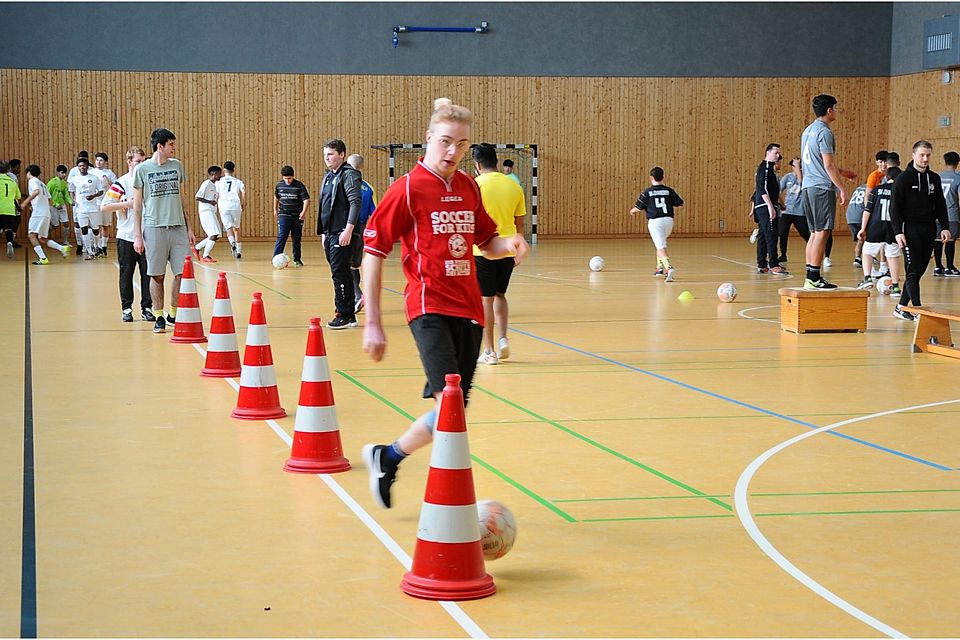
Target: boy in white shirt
{"x":232,"y":199}
{"x":119,"y":198}
{"x":207,"y":197}
{"x":87,"y":190}
{"x":102,"y":169}
{"x":39,"y":225}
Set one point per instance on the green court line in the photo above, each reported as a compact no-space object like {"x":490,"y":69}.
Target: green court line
{"x":543,"y":501}
{"x":765,"y":495}
{"x":777,"y":515}
{"x":607,"y":449}
{"x":257,"y":282}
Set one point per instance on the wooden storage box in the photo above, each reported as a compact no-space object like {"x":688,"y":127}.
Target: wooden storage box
{"x":834,"y":310}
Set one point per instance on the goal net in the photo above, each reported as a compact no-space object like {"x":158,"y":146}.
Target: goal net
{"x":404,"y":156}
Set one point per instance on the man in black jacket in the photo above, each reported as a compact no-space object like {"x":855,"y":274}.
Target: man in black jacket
{"x":917,"y":203}
{"x":340,"y":201}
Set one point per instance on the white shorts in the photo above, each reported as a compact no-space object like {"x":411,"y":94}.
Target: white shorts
{"x":891,"y":250}
{"x":230,"y":218}
{"x":209,"y":222}
{"x":58,"y":215}
{"x":88,"y":218}
{"x":660,"y":228}
{"x":39,"y":225}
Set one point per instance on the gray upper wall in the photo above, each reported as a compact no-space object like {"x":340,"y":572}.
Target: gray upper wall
{"x":906,"y":42}
{"x":711,"y":39}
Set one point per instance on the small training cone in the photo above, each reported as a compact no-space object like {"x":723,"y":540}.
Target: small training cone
{"x":223,"y":357}
{"x":448,"y":558}
{"x":316,"y":436}
{"x":686,"y":295}
{"x":258,"y":398}
{"x":189,"y":326}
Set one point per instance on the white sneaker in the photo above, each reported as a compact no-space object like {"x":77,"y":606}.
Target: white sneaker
{"x":827,"y":262}
{"x":753,"y":236}
{"x":669,"y":276}
{"x":488,"y":357}
{"x":503,"y":349}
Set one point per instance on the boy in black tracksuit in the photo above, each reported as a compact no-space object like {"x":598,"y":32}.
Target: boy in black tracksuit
{"x":917,"y":203}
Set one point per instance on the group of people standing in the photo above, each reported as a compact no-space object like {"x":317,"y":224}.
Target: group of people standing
{"x":911,"y":210}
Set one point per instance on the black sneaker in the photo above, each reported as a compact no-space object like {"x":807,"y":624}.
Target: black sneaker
{"x":233,"y":250}
{"x":342,"y":322}
{"x":171,"y":319}
{"x":866,"y":284}
{"x":899,"y":312}
{"x":147,"y":314}
{"x":857,"y":262}
{"x":382,"y":476}
{"x":298,"y":263}
{"x":127,"y":315}
{"x":818,"y":284}
{"x":160,"y":326}
{"x":951,"y":272}
{"x":782,"y":259}
{"x":238,"y":255}
{"x":938,"y":272}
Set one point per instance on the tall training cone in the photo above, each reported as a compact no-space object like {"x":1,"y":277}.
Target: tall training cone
{"x":316,"y":436}
{"x":258,"y":398}
{"x":189,"y":326}
{"x":223,"y":357}
{"x":448,"y":558}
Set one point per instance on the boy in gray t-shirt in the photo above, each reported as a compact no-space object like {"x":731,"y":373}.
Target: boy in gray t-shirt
{"x":950,"y":181}
{"x":164,"y":235}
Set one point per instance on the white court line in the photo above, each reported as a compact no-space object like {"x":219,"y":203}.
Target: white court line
{"x":746,"y":519}
{"x":452,"y":608}
{"x":743,"y":314}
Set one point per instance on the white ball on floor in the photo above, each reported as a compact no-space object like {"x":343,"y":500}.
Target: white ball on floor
{"x":727,"y":292}
{"x":280,"y":261}
{"x":884,"y":285}
{"x":498,"y":528}
{"x":596,"y":263}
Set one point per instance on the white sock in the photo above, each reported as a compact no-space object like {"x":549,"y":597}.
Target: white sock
{"x":238,"y":248}
{"x":88,"y":243}
{"x":103,"y":241}
{"x":233,"y":242}
{"x":56,"y":246}
{"x":79,"y":235}
{"x":210,"y":243}
{"x":200,"y":245}
{"x":40,"y":252}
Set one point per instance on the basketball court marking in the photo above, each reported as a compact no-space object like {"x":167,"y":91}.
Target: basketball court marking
{"x":724,"y":398}
{"x":746,"y":518}
{"x":452,"y":608}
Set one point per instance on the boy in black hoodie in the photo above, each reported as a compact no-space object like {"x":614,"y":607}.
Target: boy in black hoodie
{"x":916,"y":205}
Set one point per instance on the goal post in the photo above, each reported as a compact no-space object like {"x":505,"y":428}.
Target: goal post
{"x":404,"y":156}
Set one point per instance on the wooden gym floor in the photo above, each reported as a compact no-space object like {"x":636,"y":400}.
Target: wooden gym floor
{"x":676,"y":468}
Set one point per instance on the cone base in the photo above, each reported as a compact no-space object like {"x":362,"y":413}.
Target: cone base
{"x":447,"y":589}
{"x":220,"y":373}
{"x":309,"y":465}
{"x":188,"y":340}
{"x":259,"y":414}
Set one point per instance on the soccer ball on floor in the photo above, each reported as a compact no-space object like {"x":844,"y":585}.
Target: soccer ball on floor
{"x":281,"y":261}
{"x":727,"y":292}
{"x":596,"y":263}
{"x":884,"y":285}
{"x":498,"y":529}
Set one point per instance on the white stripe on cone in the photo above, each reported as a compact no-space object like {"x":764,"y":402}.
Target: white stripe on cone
{"x":315,"y":419}
{"x":222,"y":307}
{"x":188,"y":315}
{"x":257,"y":335}
{"x":222,"y":342}
{"x":443,"y":523}
{"x":451,"y":450}
{"x":315,"y":369}
{"x":253,"y":376}
{"x":188,"y":285}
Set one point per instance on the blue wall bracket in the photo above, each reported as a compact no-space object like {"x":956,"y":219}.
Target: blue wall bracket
{"x":405,"y":29}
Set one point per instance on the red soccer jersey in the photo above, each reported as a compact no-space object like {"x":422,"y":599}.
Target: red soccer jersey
{"x":437,"y":223}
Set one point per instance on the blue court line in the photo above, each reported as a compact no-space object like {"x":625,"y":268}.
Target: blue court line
{"x":731,"y":400}
{"x":28,"y":551}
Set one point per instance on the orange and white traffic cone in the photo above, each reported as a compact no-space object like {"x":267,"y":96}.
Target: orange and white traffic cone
{"x":189,"y":326}
{"x":258,"y":398}
{"x":448,"y":558}
{"x":316,"y":436}
{"x":223,"y":357}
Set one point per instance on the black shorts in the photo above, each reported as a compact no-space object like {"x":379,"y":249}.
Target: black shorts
{"x":11,"y":223}
{"x":494,"y":275}
{"x":446,"y":345}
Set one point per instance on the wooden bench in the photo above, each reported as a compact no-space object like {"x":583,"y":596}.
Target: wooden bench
{"x":932,"y":334}
{"x":814,"y":310}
